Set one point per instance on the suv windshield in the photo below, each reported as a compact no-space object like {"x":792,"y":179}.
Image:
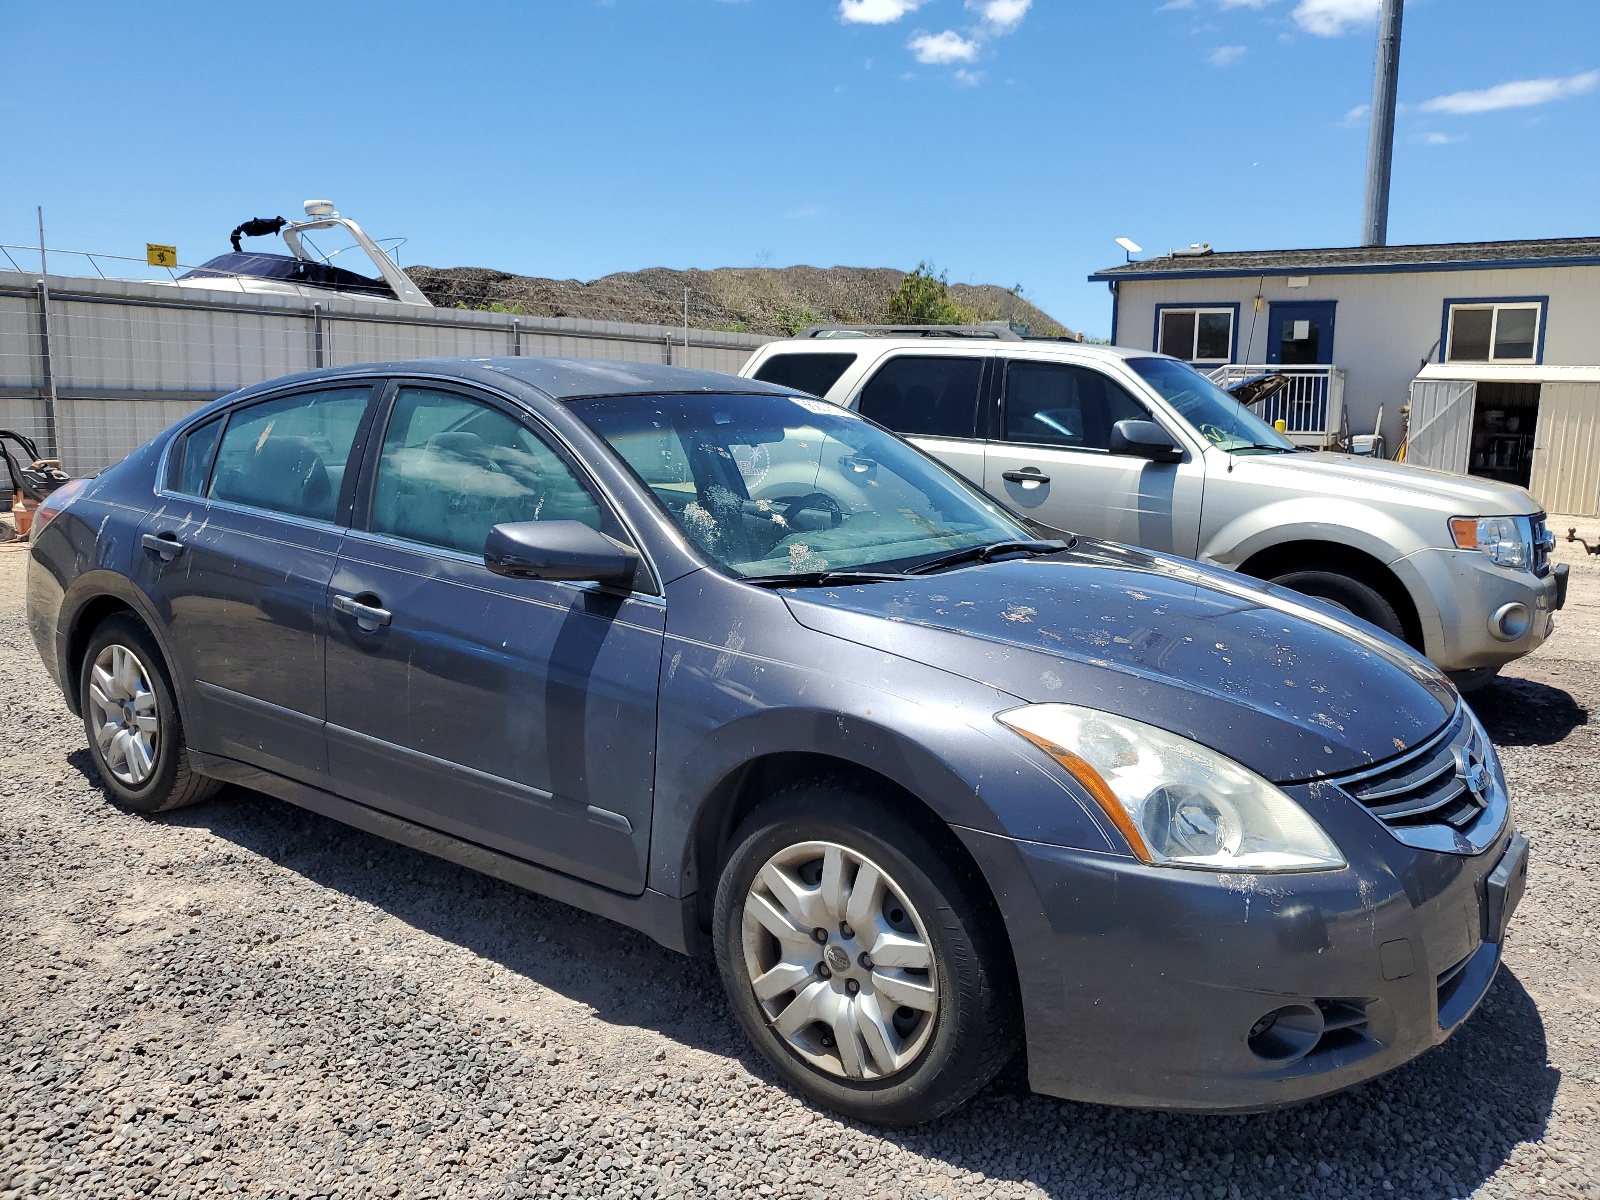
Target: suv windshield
{"x":784,"y":485}
{"x":1221,"y":419}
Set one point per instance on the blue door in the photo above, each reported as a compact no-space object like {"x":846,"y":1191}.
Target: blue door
{"x":1301,"y":332}
{"x":519,"y":714}
{"x":1300,"y":335}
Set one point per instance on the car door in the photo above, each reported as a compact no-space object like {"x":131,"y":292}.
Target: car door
{"x":1052,"y":462}
{"x":936,"y":401}
{"x":236,"y":560}
{"x":516,"y":713}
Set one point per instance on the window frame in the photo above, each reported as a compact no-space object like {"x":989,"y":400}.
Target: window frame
{"x":1232,"y":309}
{"x":647,"y":582}
{"x":341,"y":510}
{"x":1002,"y":375}
{"x":1540,"y":304}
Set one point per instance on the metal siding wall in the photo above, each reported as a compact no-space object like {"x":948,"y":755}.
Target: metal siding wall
{"x":1441,"y":425}
{"x":1566,"y":450}
{"x":96,"y":432}
{"x":19,"y":343}
{"x":179,"y":346}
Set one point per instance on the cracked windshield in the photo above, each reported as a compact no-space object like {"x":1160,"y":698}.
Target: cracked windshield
{"x":778,"y":485}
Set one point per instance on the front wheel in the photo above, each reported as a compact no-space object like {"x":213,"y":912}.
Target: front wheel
{"x":1356,"y":596}
{"x":131,"y":717}
{"x":859,"y":959}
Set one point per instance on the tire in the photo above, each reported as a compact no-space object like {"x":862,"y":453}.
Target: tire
{"x":1355,"y":596}
{"x":1474,"y":680}
{"x":909,"y":1065}
{"x":140,"y":752}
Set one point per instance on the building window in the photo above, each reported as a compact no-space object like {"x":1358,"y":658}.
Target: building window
{"x":1197,"y":335}
{"x":1493,"y":332}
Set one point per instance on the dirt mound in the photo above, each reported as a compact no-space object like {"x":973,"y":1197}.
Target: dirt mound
{"x":766,"y":300}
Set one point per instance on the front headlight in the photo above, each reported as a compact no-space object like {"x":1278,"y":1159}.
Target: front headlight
{"x":1178,"y":803}
{"x":1508,"y":541}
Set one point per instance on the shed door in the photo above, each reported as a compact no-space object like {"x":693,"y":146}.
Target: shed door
{"x":1566,"y":449}
{"x":1441,"y":424}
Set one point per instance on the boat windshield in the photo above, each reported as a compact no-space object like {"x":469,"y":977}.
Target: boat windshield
{"x":1221,"y":420}
{"x":775,"y":486}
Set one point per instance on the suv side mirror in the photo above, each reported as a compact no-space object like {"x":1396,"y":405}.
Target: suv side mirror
{"x":559,"y":550}
{"x":1144,"y":439}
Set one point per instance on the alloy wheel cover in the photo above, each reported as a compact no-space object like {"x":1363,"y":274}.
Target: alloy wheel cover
{"x":126,"y":720}
{"x":840,"y":961}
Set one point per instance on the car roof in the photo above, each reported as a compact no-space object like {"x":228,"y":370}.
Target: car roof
{"x":970,"y":346}
{"x":557,"y":378}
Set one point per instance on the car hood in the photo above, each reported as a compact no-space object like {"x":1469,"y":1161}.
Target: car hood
{"x":1275,"y":681}
{"x":1324,"y":472}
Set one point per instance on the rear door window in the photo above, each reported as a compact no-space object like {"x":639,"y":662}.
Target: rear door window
{"x":290,"y":455}
{"x":1060,"y":404}
{"x":814,"y":373}
{"x":190,"y":465}
{"x":926,"y":396}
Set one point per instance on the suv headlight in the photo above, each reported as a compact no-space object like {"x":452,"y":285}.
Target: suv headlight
{"x":1177,"y":803}
{"x":1508,"y":541}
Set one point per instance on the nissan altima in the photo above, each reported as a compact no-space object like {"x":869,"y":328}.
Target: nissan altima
{"x":742,"y":670}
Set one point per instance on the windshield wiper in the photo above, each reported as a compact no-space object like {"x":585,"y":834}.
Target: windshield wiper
{"x":823,"y":579}
{"x":984,"y":554}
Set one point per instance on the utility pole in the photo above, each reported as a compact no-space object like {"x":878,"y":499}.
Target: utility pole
{"x":1380,"y":146}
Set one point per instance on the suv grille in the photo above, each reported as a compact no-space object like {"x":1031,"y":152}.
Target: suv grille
{"x":1542,"y":544}
{"x":1446,"y":795}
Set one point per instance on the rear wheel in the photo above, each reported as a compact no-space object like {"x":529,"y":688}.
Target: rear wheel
{"x":859,"y":960}
{"x":135,"y":733}
{"x":1356,"y":596}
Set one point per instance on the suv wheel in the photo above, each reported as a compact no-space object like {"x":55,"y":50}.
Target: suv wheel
{"x":1355,"y":596}
{"x":135,"y":733}
{"x":858,"y":960}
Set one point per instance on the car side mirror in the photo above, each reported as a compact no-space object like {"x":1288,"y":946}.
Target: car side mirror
{"x":1144,"y":439}
{"x":559,"y":550}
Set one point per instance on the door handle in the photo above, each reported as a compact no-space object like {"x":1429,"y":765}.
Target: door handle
{"x":367,"y":616}
{"x":164,"y":544}
{"x":1029,"y":478}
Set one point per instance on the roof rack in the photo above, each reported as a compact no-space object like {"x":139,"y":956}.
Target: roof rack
{"x":994,"y":331}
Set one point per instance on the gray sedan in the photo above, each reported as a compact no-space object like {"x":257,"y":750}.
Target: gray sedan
{"x":936,"y":788}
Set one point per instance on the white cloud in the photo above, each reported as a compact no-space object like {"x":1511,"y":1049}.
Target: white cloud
{"x":1000,"y":16}
{"x":1441,"y":139}
{"x":1330,"y":18}
{"x":804,"y":213}
{"x":1223,"y":55}
{"x":1520,"y":93}
{"x":876,"y":12}
{"x":1255,"y":4}
{"x":1171,"y":5}
{"x":968,"y":78}
{"x":1357,"y":116}
{"x":940,"y":49}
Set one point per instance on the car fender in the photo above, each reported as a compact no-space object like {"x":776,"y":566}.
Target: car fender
{"x":84,"y":591}
{"x":1309,"y":519}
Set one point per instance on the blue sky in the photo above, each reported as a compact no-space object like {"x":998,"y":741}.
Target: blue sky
{"x":1009,"y":141}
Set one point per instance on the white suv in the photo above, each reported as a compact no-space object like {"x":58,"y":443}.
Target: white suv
{"x":1141,"y":448}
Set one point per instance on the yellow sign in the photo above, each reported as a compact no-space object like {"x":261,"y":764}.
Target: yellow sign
{"x":160,"y":256}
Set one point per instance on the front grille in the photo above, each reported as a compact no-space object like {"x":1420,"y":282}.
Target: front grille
{"x":1445,"y":795}
{"x":1344,"y":1024}
{"x":1542,"y":543}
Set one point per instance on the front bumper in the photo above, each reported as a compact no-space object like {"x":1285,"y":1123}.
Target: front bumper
{"x":1141,"y":985}
{"x":1459,"y":593}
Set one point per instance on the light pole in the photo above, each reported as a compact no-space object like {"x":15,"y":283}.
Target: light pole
{"x":1380,"y":146}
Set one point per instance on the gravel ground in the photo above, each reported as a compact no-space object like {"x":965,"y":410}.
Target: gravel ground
{"x":245,"y":998}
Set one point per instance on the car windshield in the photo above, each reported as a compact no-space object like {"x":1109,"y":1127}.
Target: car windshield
{"x":776,"y":486}
{"x":1221,"y":419}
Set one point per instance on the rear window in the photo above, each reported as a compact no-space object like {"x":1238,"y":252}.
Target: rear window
{"x":814,"y":373}
{"x":929,"y":397}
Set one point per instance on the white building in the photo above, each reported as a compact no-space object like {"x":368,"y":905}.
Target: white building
{"x":1480,"y":344}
